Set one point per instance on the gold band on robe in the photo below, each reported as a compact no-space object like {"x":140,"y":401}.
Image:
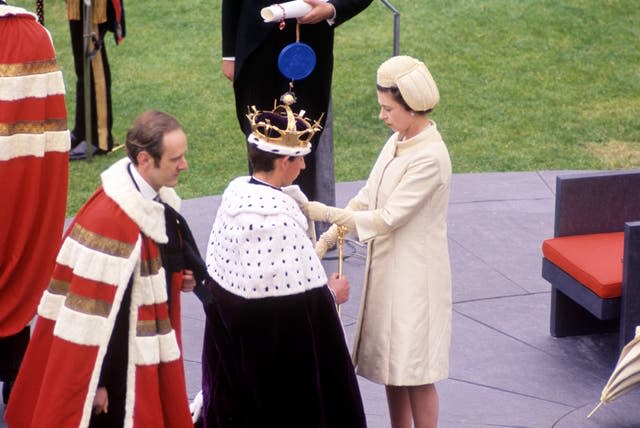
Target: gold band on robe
{"x":98,"y":10}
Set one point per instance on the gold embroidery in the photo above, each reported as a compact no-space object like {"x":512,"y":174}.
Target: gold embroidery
{"x":29,"y":68}
{"x":88,"y":306}
{"x":100,"y":243}
{"x":98,"y":10}
{"x":73,"y":10}
{"x":50,"y":125}
{"x":59,"y":287}
{"x":153,"y":327}
{"x":102,"y":99}
{"x":151,"y":266}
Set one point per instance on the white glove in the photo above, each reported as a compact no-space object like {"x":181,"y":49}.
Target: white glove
{"x":321,"y":212}
{"x":327,"y":240}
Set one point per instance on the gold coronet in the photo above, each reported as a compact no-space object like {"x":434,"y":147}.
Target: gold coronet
{"x":281,"y":125}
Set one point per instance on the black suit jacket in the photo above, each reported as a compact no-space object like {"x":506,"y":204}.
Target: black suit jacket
{"x":243,"y":30}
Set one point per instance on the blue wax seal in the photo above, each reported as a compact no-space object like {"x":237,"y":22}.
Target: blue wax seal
{"x":296,"y":61}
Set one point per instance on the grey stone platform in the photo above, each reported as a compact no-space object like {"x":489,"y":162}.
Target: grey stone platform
{"x":506,"y":370}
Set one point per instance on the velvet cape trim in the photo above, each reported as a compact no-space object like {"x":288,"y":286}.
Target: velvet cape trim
{"x":277,"y":361}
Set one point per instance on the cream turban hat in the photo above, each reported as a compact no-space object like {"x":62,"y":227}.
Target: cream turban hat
{"x":413,"y":80}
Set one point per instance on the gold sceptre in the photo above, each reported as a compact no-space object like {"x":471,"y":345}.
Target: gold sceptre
{"x":341,"y":232}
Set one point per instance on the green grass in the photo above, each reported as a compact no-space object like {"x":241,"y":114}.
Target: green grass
{"x":525,"y":84}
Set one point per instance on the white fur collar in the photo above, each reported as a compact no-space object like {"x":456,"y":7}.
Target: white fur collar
{"x":243,"y":197}
{"x":6,"y":10}
{"x":258,"y":245}
{"x":147,"y":214}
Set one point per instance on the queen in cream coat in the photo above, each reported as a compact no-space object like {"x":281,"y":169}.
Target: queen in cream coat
{"x":404,"y":323}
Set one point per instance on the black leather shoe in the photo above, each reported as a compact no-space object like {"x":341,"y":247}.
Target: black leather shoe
{"x":74,"y":140}
{"x":80,"y":151}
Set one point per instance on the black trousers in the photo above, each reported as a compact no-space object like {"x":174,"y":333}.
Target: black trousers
{"x":113,"y":375}
{"x":101,"y":109}
{"x":12,"y":349}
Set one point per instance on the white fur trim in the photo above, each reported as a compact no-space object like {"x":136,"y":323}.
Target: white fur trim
{"x":196,"y":407}
{"x":258,"y":245}
{"x":152,"y":289}
{"x":169,"y":350}
{"x":31,"y":86}
{"x":103,"y":340}
{"x":155,"y":349}
{"x":170,"y":196}
{"x":147,"y":214}
{"x":80,"y":328}
{"x":242,"y":197}
{"x":131,"y":367}
{"x":98,"y":266}
{"x":131,"y":370}
{"x":278,"y":149}
{"x":50,"y":305}
{"x":21,"y":145}
{"x":296,"y":193}
{"x":6,"y":10}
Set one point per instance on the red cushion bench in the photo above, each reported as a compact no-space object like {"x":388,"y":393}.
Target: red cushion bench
{"x":593,"y":260}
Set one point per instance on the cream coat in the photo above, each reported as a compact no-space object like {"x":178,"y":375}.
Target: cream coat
{"x":404,"y":324}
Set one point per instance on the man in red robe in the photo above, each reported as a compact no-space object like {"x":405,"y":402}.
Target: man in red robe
{"x":34,"y":142}
{"x":106,"y":350}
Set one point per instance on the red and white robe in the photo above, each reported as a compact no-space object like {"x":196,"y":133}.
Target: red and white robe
{"x":34,"y":142}
{"x":111,"y":245}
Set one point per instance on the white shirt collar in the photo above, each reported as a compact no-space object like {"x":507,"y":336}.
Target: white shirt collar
{"x":146,"y":190}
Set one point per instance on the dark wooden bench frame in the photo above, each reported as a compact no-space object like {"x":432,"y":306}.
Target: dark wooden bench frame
{"x":600,"y":202}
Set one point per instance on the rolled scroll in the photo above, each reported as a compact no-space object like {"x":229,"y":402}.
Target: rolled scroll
{"x":279,"y":11}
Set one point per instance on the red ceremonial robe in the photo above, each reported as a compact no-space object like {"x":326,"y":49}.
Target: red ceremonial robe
{"x":34,"y":142}
{"x":111,"y":245}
